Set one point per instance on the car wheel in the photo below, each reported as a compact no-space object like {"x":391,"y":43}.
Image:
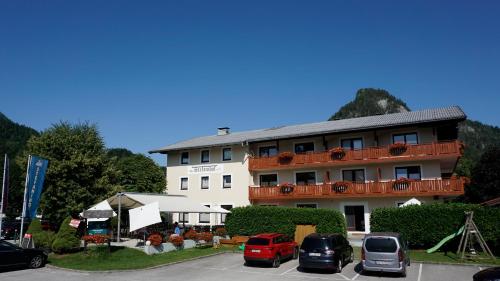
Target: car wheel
{"x":277,"y":261}
{"x":339,"y":265}
{"x":36,"y":261}
{"x":295,"y":253}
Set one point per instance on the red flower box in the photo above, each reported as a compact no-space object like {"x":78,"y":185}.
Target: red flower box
{"x":285,"y":157}
{"x":286,"y":188}
{"x":337,"y":153}
{"x":340,"y":186}
{"x":398,"y":148}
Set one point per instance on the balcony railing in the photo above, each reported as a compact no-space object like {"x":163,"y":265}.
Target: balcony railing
{"x":451,"y":187}
{"x":365,"y":155}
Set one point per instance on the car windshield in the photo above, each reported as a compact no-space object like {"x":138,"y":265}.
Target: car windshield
{"x":314,"y":243}
{"x":381,"y":245}
{"x":258,"y":241}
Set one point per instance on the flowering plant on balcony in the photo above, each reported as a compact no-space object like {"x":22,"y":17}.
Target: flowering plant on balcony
{"x":286,"y":188}
{"x":337,"y":153}
{"x":156,"y":239}
{"x":401,"y":184}
{"x":285,"y":157}
{"x":340,"y":186}
{"x":398,"y":148}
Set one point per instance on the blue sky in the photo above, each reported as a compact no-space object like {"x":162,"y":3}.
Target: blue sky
{"x":151,"y":73}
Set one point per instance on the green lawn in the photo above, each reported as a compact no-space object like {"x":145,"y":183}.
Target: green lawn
{"x":438,"y":257}
{"x":98,"y":258}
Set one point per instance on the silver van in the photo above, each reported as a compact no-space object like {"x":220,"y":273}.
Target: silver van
{"x":385,"y":252}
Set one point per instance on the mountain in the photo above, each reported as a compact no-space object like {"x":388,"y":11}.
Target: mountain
{"x":476,"y":136}
{"x":371,"y":102}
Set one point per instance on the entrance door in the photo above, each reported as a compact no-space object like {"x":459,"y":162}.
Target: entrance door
{"x":355,"y":218}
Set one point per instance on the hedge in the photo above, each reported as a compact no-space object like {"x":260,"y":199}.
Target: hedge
{"x":66,"y":239}
{"x":425,"y":225}
{"x":252,"y":220}
{"x":42,"y":238}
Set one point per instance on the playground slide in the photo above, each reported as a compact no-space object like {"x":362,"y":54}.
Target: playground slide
{"x":446,"y":239}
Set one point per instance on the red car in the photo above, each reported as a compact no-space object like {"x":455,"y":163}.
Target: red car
{"x":270,"y":248}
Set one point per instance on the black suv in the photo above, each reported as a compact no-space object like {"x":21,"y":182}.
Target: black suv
{"x":325,"y":251}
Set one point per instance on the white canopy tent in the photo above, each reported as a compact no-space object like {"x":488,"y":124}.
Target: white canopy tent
{"x":101,"y":206}
{"x":413,"y":201}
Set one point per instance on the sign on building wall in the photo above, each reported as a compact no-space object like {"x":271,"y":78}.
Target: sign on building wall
{"x":205,"y":169}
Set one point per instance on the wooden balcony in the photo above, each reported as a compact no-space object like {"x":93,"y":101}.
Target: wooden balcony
{"x":435,"y":150}
{"x":444,"y":187}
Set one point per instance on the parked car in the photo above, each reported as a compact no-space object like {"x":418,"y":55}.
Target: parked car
{"x":12,"y":255}
{"x":325,"y":251}
{"x":385,"y":252}
{"x":489,"y":274}
{"x":270,"y":248}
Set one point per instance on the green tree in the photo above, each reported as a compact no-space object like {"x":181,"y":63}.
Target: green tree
{"x":66,"y":239}
{"x":485,"y":183}
{"x":137,"y":172}
{"x":79,"y":173}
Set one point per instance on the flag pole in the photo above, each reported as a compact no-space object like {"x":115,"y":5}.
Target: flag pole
{"x":3,"y":193}
{"x":24,"y":200}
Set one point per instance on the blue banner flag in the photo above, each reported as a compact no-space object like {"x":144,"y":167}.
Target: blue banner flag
{"x":36,"y":176}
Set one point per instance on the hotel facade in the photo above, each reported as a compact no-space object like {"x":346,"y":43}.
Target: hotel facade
{"x":352,"y":165}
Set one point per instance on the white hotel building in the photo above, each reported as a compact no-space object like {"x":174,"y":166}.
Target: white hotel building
{"x":352,"y":165}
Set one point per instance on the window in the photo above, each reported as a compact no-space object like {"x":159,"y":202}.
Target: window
{"x":184,"y":217}
{"x":408,"y":138}
{"x":226,"y":181}
{"x":204,"y":217}
{"x":411,"y":172}
{"x":204,"y":182}
{"x":307,"y":205}
{"x":269,"y":180}
{"x":227,"y":154}
{"x":304,"y":147}
{"x":351,"y":144}
{"x":305,"y":178}
{"x":268,"y":151}
{"x":205,"y":156}
{"x":381,"y":245}
{"x":223,"y":216}
{"x":357,"y":175}
{"x":185,"y":158}
{"x":184,"y":183}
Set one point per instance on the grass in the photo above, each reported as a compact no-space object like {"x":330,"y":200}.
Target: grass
{"x":119,"y":258}
{"x":439,"y":257}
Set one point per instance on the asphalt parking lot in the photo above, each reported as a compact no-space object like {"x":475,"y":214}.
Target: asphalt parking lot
{"x":230,"y":267}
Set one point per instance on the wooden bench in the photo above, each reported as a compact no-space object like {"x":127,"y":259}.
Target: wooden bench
{"x":236,"y":240}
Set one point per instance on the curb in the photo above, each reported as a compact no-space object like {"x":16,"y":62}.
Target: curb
{"x":138,"y":269}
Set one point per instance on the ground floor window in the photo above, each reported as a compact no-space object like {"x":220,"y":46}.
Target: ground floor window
{"x":355,"y":217}
{"x":223,"y":216}
{"x":204,"y":217}
{"x":307,"y":205}
{"x":183,"y":217}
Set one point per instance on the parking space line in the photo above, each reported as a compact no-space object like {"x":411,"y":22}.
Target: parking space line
{"x":343,"y":276}
{"x":314,"y":277}
{"x":288,"y":270}
{"x":419,"y":272}
{"x":355,"y":276}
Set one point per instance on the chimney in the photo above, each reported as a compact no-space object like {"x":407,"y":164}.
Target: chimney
{"x":222,"y":131}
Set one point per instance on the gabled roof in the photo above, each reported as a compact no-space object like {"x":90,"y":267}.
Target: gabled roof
{"x":319,"y":128}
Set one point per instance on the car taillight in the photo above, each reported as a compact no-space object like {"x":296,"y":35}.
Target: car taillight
{"x":329,"y":252}
{"x":363,"y":257}
{"x":401,"y":255}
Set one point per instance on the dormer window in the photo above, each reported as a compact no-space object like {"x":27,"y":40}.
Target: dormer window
{"x":205,"y":156}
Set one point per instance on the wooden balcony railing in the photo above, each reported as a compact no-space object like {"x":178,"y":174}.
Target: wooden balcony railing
{"x":365,"y":155}
{"x":451,"y":187}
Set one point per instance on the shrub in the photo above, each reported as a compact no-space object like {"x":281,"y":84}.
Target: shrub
{"x":66,"y":239}
{"x":425,"y":225}
{"x":156,"y":239}
{"x":205,"y":236}
{"x":177,"y":240}
{"x":221,"y":231}
{"x":252,"y":220}
{"x":42,"y":238}
{"x":191,"y":234}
